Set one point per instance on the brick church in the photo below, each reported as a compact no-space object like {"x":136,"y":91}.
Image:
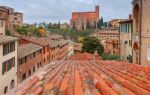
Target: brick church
{"x":85,"y":20}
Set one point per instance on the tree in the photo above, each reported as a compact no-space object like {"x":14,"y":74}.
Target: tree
{"x":110,"y":56}
{"x":8,"y":33}
{"x":105,"y":24}
{"x":22,"y":30}
{"x":91,"y":44}
{"x":59,"y":25}
{"x":109,"y":24}
{"x":41,"y":31}
{"x":80,"y":39}
{"x":100,"y":23}
{"x":49,"y":25}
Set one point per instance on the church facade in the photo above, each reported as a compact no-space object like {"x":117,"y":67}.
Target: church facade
{"x":85,"y":20}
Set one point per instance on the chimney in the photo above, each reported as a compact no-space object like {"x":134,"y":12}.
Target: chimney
{"x":130,"y":16}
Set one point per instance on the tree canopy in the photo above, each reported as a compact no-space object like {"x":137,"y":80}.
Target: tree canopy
{"x":100,"y":23}
{"x":91,"y":44}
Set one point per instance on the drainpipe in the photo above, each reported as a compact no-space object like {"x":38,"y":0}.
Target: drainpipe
{"x":140,"y":31}
{"x":119,"y":44}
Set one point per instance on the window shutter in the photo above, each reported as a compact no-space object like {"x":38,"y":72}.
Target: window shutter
{"x":13,"y":62}
{"x":3,"y":68}
{"x":9,"y":64}
{"x":14,"y":46}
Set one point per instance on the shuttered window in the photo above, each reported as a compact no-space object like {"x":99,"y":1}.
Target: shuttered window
{"x":8,"y":48}
{"x":4,"y":68}
{"x":7,"y":65}
{"x":1,"y":23}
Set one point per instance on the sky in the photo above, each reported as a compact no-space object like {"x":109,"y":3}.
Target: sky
{"x":61,"y":10}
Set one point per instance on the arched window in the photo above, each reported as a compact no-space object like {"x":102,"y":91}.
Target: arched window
{"x":136,"y":11}
{"x":12,"y":84}
{"x":5,"y":90}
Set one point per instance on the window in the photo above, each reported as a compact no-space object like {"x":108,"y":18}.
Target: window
{"x":125,"y":42}
{"x":38,"y":65}
{"x":34,"y":54}
{"x":148,"y":53}
{"x":23,"y":60}
{"x":24,"y":76}
{"x":1,"y":23}
{"x":5,"y":90}
{"x":47,"y":48}
{"x":44,"y":50}
{"x":29,"y":72}
{"x":33,"y":69}
{"x":130,"y":27}
{"x":8,"y":48}
{"x":4,"y":69}
{"x":15,"y":14}
{"x":7,"y":65}
{"x":12,"y":84}
{"x":130,"y":43}
{"x":15,"y":18}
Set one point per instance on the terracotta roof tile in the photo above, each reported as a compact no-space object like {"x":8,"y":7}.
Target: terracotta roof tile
{"x":79,"y":76}
{"x":27,"y":49}
{"x":5,"y":39}
{"x":36,"y":40}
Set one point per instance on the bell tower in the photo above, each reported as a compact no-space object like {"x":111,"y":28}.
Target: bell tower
{"x":97,"y":11}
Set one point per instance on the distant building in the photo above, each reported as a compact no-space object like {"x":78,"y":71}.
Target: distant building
{"x":16,"y":18}
{"x":56,"y":37}
{"x":41,"y":41}
{"x":64,"y":26}
{"x":112,"y":46}
{"x":29,"y":60}
{"x":13,"y":18}
{"x":8,"y":63}
{"x":108,"y":34}
{"x":11,"y":10}
{"x":125,"y":32}
{"x":84,"y":20}
{"x":4,"y":13}
{"x":2,"y":26}
{"x":115,"y":23}
{"x":110,"y":39}
{"x":58,"y":49}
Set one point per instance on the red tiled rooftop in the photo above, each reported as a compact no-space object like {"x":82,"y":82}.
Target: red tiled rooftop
{"x":42,"y":41}
{"x":90,"y":77}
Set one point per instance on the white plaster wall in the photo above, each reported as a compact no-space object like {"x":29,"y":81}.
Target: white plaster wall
{"x":6,"y":79}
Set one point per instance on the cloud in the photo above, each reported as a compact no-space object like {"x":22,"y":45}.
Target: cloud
{"x":60,"y":10}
